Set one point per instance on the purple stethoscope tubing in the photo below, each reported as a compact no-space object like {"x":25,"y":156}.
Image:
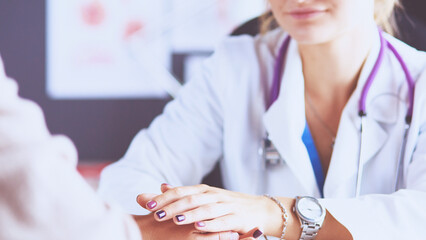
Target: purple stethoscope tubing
{"x":408,"y":77}
{"x":279,"y":67}
{"x":278,"y":71}
{"x":276,"y":85}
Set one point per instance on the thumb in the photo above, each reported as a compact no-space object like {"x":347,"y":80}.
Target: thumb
{"x":252,"y":234}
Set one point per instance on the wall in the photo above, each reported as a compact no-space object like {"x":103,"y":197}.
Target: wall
{"x":101,"y":129}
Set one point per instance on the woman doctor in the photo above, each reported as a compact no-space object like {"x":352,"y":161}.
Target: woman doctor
{"x":334,"y":97}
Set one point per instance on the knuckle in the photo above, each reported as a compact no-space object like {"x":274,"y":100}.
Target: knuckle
{"x":178,"y":206}
{"x":191,"y":200}
{"x":178,"y":192}
{"x":219,"y":196}
{"x":209,"y":209}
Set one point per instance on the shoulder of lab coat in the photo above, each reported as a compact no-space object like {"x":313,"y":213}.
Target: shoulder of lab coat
{"x":400,"y":215}
{"x":42,"y":195}
{"x":183,"y":144}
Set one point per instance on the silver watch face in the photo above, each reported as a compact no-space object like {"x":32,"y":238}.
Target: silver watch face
{"x":309,"y":209}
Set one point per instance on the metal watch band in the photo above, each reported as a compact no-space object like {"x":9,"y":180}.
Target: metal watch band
{"x":309,"y":231}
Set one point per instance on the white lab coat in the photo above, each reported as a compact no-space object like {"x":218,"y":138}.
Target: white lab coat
{"x":42,"y":196}
{"x":221,"y":115}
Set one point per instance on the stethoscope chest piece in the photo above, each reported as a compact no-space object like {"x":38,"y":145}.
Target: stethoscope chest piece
{"x":269,"y":153}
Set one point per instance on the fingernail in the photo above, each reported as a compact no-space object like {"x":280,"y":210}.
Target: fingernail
{"x":180,"y":218}
{"x":151,"y":204}
{"x":201,"y":224}
{"x":257,"y":234}
{"x":161,"y":214}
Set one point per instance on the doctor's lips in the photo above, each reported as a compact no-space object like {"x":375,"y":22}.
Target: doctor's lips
{"x":306,"y":13}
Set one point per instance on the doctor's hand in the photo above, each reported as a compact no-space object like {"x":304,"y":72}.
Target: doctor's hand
{"x":153,"y":230}
{"x":210,"y":209}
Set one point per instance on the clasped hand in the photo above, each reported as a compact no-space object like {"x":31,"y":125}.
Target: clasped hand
{"x":209,"y":209}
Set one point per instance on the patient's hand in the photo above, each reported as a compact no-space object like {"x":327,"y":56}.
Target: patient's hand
{"x":153,"y":230}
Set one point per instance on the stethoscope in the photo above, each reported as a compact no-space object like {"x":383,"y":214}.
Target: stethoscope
{"x":270,"y":154}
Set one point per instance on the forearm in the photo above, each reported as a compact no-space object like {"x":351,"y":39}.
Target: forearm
{"x":331,"y":228}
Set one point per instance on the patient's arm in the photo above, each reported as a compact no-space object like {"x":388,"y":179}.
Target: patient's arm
{"x":41,"y":194}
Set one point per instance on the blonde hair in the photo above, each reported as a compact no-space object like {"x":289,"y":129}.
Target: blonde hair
{"x":383,"y":15}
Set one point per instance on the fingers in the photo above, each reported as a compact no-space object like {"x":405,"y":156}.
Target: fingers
{"x":173,"y":195}
{"x":220,"y":224}
{"x":217,"y":236}
{"x":196,"y":208}
{"x":144,"y":198}
{"x":252,"y":234}
{"x":165,"y":187}
{"x":203,"y":204}
{"x":204,"y":212}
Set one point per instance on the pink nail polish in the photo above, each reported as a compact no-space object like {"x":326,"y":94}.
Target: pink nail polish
{"x":151,"y":204}
{"x":201,"y":224}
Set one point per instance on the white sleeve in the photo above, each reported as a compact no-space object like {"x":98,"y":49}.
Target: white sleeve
{"x":42,"y":196}
{"x":401,"y":215}
{"x":180,"y":147}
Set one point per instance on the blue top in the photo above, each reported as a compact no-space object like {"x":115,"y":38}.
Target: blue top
{"x":308,"y":140}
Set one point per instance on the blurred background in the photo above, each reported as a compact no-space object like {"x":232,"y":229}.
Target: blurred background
{"x":104,"y":69}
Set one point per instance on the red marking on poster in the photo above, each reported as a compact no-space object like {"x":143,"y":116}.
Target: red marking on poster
{"x":93,"y":13}
{"x":132,"y":28}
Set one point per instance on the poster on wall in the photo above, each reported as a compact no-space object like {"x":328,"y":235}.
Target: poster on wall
{"x":201,"y":25}
{"x":111,"y":49}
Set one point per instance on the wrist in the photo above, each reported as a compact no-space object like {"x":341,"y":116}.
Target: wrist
{"x":282,"y":222}
{"x":293,"y":223}
{"x":272,"y":221}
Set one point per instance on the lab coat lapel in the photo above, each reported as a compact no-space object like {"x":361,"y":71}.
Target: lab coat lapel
{"x":285,"y":122}
{"x":344,"y":163}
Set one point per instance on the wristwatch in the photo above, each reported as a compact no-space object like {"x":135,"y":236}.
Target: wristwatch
{"x":311,"y":215}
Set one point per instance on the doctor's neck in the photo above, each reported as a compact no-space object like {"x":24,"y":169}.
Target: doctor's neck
{"x":334,"y":67}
